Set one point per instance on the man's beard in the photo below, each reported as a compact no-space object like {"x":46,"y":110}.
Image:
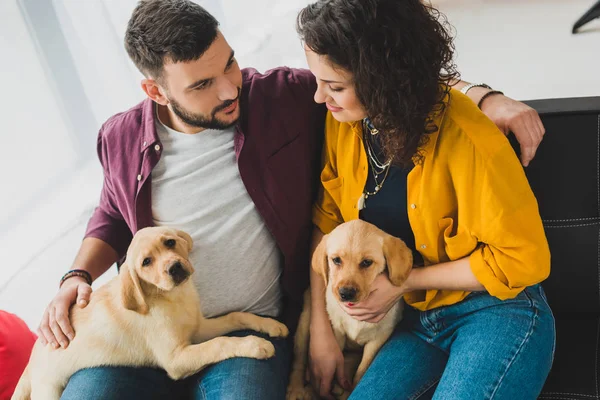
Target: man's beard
{"x":201,"y":121}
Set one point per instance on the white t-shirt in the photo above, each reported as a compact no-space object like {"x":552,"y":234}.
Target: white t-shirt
{"x":196,"y":187}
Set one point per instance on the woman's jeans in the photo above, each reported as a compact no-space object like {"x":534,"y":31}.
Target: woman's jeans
{"x":480,"y":348}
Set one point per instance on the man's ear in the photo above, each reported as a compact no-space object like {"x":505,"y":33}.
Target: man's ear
{"x":398,"y":258}
{"x":154,"y":91}
{"x":319,"y":260}
{"x":132,"y":295}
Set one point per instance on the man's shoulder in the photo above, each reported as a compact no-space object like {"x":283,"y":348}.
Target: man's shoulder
{"x":280,"y":78}
{"x":125,"y":124}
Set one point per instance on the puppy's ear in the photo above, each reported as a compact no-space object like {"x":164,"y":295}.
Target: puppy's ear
{"x":319,"y":259}
{"x":398,"y":257}
{"x":131,"y":290}
{"x":188,"y":239}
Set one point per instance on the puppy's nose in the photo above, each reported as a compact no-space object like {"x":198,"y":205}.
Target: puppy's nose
{"x":347,"y":293}
{"x":177,"y":272}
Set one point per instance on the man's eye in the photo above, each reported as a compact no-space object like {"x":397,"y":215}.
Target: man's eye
{"x":337,"y":261}
{"x":230,"y":64}
{"x":146,"y":262}
{"x":366,"y":263}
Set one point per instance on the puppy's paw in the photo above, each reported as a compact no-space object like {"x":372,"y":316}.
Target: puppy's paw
{"x":274,"y":328}
{"x":300,"y":393}
{"x":255,"y":347}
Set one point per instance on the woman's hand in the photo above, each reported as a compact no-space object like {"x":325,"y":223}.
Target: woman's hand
{"x":382,"y":298}
{"x":326,"y":361}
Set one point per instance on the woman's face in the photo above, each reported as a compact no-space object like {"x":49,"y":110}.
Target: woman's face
{"x":335,"y":88}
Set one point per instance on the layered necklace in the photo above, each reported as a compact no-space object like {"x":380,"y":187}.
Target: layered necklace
{"x":379,"y":169}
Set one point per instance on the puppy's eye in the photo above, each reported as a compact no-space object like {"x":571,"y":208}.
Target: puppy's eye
{"x":146,"y":262}
{"x":170,"y":243}
{"x":337,"y":261}
{"x":366,"y":263}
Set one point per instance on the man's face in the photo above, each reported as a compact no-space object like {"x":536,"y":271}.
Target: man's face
{"x":205,"y":93}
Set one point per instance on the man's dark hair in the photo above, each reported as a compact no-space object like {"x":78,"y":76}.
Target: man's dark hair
{"x":168,"y":30}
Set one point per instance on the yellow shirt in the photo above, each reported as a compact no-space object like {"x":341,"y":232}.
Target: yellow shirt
{"x":468,"y":198}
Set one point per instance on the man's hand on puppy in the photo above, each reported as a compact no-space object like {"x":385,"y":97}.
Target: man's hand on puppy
{"x":55,"y":327}
{"x":383,"y":296}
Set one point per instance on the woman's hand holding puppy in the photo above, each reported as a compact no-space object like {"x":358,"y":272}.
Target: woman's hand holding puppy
{"x":384,"y":295}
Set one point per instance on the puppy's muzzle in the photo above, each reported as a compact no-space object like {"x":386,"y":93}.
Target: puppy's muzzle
{"x":347,"y":293}
{"x":178,"y":272}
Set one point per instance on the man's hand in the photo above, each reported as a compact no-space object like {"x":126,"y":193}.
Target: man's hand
{"x":326,"y":361}
{"x":513,"y":116}
{"x":55,"y":327}
{"x":382,"y":298}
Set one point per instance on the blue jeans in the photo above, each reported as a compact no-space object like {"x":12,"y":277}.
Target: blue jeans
{"x":235,"y":379}
{"x":480,"y":348}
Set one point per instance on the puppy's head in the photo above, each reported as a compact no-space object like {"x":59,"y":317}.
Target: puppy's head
{"x":157,"y":256}
{"x":354,"y":254}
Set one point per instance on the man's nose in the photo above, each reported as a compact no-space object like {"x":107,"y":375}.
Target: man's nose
{"x":227,"y":89}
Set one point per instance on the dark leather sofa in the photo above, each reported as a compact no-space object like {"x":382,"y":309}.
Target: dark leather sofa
{"x":565,"y":176}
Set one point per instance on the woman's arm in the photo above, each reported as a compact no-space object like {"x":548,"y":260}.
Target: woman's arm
{"x":452,"y":275}
{"x":326,"y":358}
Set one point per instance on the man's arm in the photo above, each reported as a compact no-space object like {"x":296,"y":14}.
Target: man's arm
{"x":106,"y":240}
{"x":95,"y":257}
{"x":510,"y":116}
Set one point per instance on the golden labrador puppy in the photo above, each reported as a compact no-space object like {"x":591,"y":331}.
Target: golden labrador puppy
{"x":349,"y":259}
{"x":150,"y":316}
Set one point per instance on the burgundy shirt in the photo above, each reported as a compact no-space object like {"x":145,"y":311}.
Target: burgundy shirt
{"x":278,"y":144}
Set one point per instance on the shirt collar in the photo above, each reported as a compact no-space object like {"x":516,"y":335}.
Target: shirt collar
{"x":149,"y":136}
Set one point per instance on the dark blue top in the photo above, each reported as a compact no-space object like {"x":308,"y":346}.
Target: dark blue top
{"x":388,"y":208}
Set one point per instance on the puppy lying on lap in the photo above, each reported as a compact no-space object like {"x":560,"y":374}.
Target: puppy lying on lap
{"x":150,"y":316}
{"x":349,"y":259}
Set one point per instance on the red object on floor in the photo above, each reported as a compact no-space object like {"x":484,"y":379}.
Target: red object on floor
{"x":16,"y":342}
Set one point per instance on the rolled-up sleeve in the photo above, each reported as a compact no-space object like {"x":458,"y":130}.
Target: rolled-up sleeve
{"x":514,"y":251}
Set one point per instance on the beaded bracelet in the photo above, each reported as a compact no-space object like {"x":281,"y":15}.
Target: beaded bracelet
{"x":488,"y":94}
{"x":76,"y":272}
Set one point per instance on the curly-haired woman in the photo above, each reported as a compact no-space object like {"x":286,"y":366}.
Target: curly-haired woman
{"x":418,"y":159}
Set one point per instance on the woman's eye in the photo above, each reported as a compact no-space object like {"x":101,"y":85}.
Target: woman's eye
{"x":336,"y":89}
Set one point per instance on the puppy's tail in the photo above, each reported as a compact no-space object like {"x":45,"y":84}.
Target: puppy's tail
{"x":23,"y":389}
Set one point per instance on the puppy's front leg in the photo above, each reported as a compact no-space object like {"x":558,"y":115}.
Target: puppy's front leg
{"x":235,"y":321}
{"x":369,"y":352}
{"x":191,"y":359}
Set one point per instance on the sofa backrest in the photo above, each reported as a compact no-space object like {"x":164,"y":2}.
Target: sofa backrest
{"x":565,"y":177}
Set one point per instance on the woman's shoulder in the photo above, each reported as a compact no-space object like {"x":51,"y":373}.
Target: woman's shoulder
{"x":465,"y":126}
{"x":336,"y":130}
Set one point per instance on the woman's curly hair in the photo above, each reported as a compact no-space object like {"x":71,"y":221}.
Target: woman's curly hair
{"x":400,"y":54}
